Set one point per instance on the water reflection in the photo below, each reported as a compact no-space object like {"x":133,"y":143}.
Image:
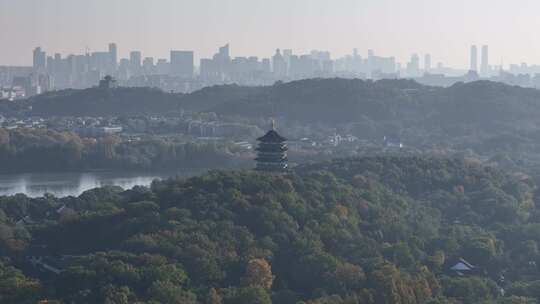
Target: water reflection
{"x":65,"y":184}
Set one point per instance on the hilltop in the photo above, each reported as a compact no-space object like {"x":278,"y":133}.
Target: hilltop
{"x":103,"y":102}
{"x":382,"y":230}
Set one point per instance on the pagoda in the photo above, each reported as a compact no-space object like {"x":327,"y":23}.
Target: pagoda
{"x":272,"y":152}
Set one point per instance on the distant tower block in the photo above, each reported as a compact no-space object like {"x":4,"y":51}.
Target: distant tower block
{"x":474,"y":59}
{"x":484,"y":69}
{"x":272,"y":152}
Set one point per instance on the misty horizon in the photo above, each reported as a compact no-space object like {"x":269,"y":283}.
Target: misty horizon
{"x":444,"y":30}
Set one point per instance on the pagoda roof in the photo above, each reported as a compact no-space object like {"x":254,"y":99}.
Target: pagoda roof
{"x":272,"y":149}
{"x":272,"y":136}
{"x":263,"y":159}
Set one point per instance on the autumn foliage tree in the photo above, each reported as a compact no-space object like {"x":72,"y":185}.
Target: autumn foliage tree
{"x":258,"y":274}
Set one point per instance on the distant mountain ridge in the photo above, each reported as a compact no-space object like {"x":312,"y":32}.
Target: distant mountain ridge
{"x":103,"y":102}
{"x":343,"y":100}
{"x":310,"y":101}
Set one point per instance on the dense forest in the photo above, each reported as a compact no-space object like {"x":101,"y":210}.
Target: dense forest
{"x":40,"y":150}
{"x":489,"y":118}
{"x":495,"y":122}
{"x":492,"y":119}
{"x":97,"y":102}
{"x":309,"y":101}
{"x":351,"y":100}
{"x":384,"y":230}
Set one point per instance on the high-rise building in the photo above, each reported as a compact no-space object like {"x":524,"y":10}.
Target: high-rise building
{"x":182,"y":64}
{"x":265,"y":65}
{"x":378,"y":64}
{"x":413,"y":67}
{"x":224,"y":52}
{"x":219,"y":67}
{"x":208,"y":69}
{"x":56,"y":66}
{"x":320,"y":55}
{"x":50,"y":64}
{"x":162,"y":67}
{"x":148,"y":65}
{"x":124,"y":69}
{"x":279,"y":65}
{"x":135,"y":62}
{"x":474,"y":59}
{"x":113,"y":52}
{"x":287,"y":54}
{"x":484,"y":69}
{"x":427,"y":62}
{"x":40,"y":59}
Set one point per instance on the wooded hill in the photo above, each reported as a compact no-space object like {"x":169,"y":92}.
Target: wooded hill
{"x":103,"y":102}
{"x":312,"y":100}
{"x":383,"y":230}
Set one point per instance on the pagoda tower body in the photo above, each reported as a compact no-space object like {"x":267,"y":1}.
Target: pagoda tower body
{"x":272,"y":152}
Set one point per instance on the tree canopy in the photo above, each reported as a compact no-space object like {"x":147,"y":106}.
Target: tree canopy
{"x":368,"y":230}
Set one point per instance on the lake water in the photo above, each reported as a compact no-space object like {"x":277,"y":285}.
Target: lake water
{"x":65,"y":184}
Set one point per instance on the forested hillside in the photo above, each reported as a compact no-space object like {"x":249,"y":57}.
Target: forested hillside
{"x":41,"y":150}
{"x":368,"y":230}
{"x":309,"y":101}
{"x":103,"y":102}
{"x":350,"y":100}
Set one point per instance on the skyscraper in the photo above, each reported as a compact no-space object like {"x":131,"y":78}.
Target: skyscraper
{"x":413,"y":67}
{"x":50,"y":65}
{"x":279,"y":65}
{"x":427,"y":62}
{"x":40,"y":59}
{"x":221,"y":62}
{"x":287,"y":53}
{"x":162,"y":67}
{"x":224,"y":52}
{"x":135,"y":62}
{"x":474,"y":59}
{"x":484,"y":69}
{"x":113,"y":52}
{"x":182,"y":63}
{"x":148,"y":65}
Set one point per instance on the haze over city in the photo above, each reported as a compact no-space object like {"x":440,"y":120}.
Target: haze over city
{"x":444,"y":29}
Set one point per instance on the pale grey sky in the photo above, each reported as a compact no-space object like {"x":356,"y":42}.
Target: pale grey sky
{"x":444,"y":28}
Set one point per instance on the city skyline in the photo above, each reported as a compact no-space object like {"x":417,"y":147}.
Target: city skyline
{"x":109,"y":61}
{"x":183,"y":63}
{"x":479,"y":58}
{"x":179,"y":72}
{"x":389,"y":27}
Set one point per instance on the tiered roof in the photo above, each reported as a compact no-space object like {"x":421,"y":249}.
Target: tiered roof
{"x":272,"y":152}
{"x":272,"y":137}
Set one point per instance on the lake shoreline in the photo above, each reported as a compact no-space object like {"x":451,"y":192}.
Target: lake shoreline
{"x":75,"y":183}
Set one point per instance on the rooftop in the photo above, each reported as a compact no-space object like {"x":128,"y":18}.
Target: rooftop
{"x":272,"y":136}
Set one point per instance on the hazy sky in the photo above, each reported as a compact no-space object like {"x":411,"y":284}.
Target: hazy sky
{"x":444,"y":28}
